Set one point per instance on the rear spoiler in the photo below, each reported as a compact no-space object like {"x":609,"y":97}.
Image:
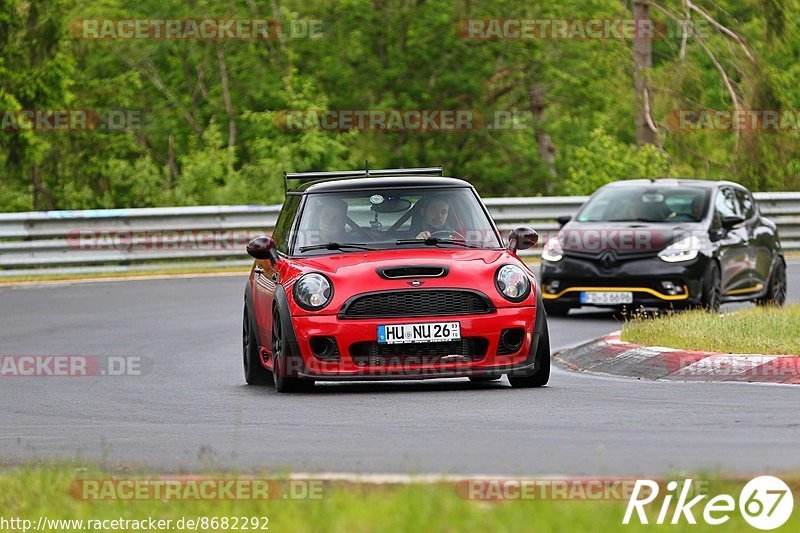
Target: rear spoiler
{"x":365,"y":173}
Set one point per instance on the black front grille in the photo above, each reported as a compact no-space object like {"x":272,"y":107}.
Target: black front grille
{"x":371,"y":353}
{"x":613,"y":257}
{"x":417,"y":302}
{"x":616,"y":281}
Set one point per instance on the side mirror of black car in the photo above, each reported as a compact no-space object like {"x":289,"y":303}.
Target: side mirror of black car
{"x":731,"y":221}
{"x":263,"y":248}
{"x":522,"y":238}
{"x":563,"y":219}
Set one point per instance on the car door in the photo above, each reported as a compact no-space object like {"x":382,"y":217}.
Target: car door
{"x":733,"y":245}
{"x":267,"y":276}
{"x":760,"y":239}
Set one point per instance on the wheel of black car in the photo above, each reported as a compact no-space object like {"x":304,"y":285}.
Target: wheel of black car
{"x":283,"y":382}
{"x":556,"y":309}
{"x":542,"y":375}
{"x":254,"y":371}
{"x":776,"y":289}
{"x":711,"y":289}
{"x":484,"y":379}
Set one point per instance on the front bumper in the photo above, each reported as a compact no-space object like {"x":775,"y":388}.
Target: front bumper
{"x":563,"y":281}
{"x":351,"y":332}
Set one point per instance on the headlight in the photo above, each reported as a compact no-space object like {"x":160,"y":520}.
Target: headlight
{"x":313,"y":291}
{"x":685,"y":249}
{"x":512,"y":282}
{"x":552,"y":250}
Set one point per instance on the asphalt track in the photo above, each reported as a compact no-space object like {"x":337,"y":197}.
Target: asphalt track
{"x":191,"y":411}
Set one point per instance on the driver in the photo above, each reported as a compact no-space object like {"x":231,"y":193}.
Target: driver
{"x":332,"y":220}
{"x":697,"y":207}
{"x":434,"y":216}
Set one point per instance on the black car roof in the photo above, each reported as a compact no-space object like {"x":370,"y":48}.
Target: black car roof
{"x":674,"y":182}
{"x":382,"y":182}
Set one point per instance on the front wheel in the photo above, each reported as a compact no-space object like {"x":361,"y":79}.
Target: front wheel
{"x":776,"y":289}
{"x":284,"y":382}
{"x":711,"y":298}
{"x":542,"y":375}
{"x":254,"y":371}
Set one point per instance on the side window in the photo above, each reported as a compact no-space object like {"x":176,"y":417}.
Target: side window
{"x":746,"y":204}
{"x":283,"y":225}
{"x":725,"y":204}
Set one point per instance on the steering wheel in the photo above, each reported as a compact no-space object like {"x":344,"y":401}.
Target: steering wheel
{"x":449,"y":234}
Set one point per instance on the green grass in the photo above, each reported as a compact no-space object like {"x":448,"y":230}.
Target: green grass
{"x":760,"y":330}
{"x":33,"y":491}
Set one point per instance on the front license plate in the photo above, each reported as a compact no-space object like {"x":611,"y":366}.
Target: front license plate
{"x":425,"y":332}
{"x":606,"y":298}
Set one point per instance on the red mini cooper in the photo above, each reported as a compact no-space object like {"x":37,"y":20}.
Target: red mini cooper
{"x":386,"y":275}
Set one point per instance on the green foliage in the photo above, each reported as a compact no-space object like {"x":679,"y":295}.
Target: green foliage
{"x":380,"y":55}
{"x":605,"y":159}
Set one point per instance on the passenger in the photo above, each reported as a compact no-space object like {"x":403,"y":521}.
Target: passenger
{"x":332,"y":220}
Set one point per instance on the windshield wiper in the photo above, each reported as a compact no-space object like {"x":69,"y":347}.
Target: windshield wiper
{"x":435,"y":241}
{"x":335,"y":246}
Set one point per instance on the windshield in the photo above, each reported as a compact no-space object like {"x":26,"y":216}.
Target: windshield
{"x":646,"y":204}
{"x":375,"y":219}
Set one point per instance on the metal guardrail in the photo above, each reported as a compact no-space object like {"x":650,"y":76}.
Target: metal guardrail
{"x":44,"y":241}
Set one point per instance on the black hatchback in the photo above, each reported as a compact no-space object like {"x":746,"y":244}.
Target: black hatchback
{"x":665,"y":243}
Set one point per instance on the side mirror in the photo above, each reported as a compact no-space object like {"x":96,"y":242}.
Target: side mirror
{"x":716,"y":234}
{"x":563,"y":219}
{"x":522,"y":238}
{"x":731,"y":221}
{"x":263,"y":248}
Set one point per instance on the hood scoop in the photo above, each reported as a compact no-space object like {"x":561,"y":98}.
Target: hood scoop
{"x":412,"y":271}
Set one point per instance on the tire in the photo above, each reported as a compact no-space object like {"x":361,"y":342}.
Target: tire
{"x":542,"y":375}
{"x":283,"y":382}
{"x":557,"y":309}
{"x":254,"y":371}
{"x":484,"y":379}
{"x":710,"y":301}
{"x":776,"y":288}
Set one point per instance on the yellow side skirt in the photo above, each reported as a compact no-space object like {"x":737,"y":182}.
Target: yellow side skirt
{"x":748,"y":289}
{"x":655,"y":293}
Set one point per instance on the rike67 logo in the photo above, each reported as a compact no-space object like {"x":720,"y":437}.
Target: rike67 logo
{"x":765,"y":502}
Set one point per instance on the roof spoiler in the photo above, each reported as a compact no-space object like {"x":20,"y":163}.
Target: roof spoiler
{"x":365,"y":173}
